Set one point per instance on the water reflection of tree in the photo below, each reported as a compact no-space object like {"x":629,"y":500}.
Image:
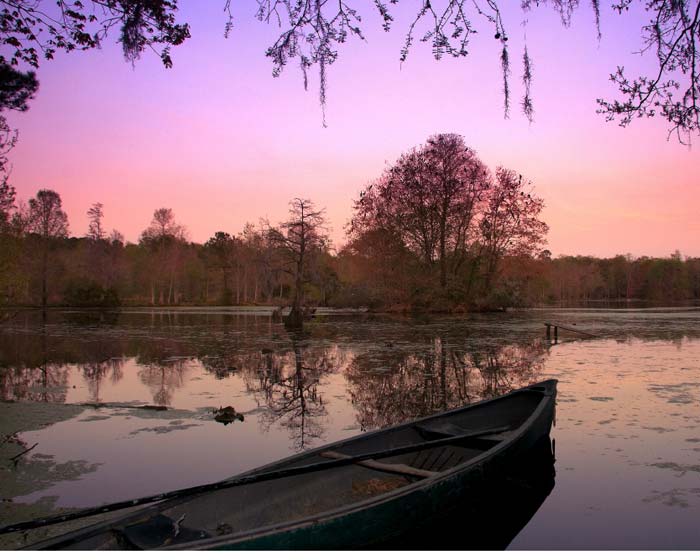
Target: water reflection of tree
{"x":95,"y":372}
{"x":37,"y":377}
{"x":420,"y":384}
{"x":46,"y":383}
{"x":163,"y":379}
{"x":287,"y":385}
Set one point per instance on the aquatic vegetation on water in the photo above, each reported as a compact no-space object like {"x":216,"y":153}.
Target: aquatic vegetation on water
{"x":626,"y":417}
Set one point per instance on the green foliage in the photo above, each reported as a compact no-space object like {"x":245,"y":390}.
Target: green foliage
{"x":226,"y":297}
{"x":355,"y":295}
{"x":376,"y":269}
{"x":506,"y":294}
{"x":85,"y":293}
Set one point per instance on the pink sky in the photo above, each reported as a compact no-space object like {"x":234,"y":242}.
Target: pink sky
{"x":222,"y":142}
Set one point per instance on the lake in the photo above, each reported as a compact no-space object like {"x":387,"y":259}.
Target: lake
{"x":627,"y":433}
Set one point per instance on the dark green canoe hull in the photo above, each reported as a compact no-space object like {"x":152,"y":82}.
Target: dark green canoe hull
{"x":458,"y":496}
{"x":420,"y":511}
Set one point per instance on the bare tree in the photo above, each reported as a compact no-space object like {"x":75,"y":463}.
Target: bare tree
{"x":47,"y":220}
{"x":95,"y":230}
{"x":163,"y":225}
{"x":297,"y":239}
{"x":163,"y":239}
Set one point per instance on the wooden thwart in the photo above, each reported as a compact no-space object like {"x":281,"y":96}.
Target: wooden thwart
{"x":399,"y":468}
{"x":445,"y":430}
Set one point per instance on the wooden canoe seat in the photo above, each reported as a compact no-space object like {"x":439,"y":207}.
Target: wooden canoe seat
{"x":398,"y":468}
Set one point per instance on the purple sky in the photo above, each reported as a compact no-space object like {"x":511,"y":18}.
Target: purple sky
{"x":222,"y":142}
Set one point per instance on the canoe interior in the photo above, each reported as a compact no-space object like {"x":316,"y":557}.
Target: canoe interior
{"x":247,"y":510}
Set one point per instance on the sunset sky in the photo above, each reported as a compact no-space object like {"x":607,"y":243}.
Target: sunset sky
{"x":221,"y":142}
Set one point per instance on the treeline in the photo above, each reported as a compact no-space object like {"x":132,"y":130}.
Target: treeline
{"x":42,"y":265}
{"x":581,"y":279}
{"x":437,"y":231}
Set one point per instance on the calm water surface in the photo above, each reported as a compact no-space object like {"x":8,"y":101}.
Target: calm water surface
{"x":628,"y":416}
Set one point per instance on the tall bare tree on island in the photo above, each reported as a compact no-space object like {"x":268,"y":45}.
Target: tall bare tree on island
{"x":48,"y":221}
{"x":298,"y":239}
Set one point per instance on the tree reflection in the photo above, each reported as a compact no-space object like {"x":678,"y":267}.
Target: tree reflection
{"x":164,"y":378}
{"x":443,"y":377}
{"x":35,"y":377}
{"x":289,"y":386}
{"x":93,"y":373}
{"x":45,"y":383}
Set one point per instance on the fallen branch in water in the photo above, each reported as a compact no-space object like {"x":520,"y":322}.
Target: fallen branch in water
{"x":16,"y":457}
{"x":118,"y":405}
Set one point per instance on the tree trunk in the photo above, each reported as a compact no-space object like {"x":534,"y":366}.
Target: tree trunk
{"x":245,"y":284}
{"x":443,"y":234}
{"x":443,"y":264}
{"x":295,"y":319}
{"x":44,"y":271}
{"x":238,"y":284}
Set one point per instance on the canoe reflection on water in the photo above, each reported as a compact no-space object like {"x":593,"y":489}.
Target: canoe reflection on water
{"x":493,"y":517}
{"x":373,"y":490}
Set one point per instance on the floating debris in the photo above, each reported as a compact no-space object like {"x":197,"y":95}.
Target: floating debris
{"x":17,"y":457}
{"x":376,"y":486}
{"x":227,"y":415}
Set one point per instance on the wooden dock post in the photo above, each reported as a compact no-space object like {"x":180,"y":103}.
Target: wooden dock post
{"x":556,"y":332}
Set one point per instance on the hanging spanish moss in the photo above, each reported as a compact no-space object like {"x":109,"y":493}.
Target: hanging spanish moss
{"x":322,"y":89}
{"x":132,"y":38}
{"x":505,"y":67}
{"x":527,"y":107}
{"x":596,"y":11}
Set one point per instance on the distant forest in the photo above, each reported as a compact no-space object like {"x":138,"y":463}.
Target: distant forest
{"x":438,"y":231}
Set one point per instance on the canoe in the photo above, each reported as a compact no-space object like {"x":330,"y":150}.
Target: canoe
{"x":442,"y":462}
{"x":495,"y":512}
